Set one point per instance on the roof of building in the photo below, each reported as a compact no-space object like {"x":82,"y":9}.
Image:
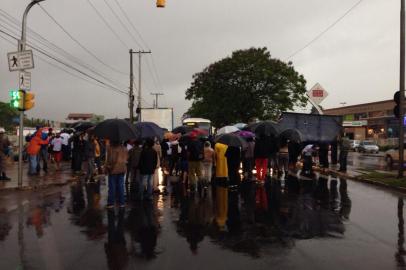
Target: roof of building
{"x":80,"y":115}
{"x":364,"y":107}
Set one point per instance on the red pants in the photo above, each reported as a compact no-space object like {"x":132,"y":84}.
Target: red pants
{"x":261,"y":165}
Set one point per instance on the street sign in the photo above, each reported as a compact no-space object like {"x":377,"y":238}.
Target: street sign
{"x":317,"y":93}
{"x":24,"y":80}
{"x":20,"y":60}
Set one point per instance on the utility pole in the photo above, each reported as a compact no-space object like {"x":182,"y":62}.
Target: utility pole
{"x":156,"y":99}
{"x":21,"y":47}
{"x":131,"y":94}
{"x":139,"y":105}
{"x":401,"y":88}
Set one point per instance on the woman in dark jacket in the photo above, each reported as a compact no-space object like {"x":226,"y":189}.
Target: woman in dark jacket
{"x":262,"y":151}
{"x":147,"y":166}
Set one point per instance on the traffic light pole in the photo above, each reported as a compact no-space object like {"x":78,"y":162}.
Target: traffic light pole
{"x":131,"y":95}
{"x":21,"y":47}
{"x":401,"y":88}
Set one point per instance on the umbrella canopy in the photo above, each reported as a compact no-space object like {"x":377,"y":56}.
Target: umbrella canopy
{"x":245,"y":134}
{"x":291,"y":135}
{"x":83,"y":126}
{"x":251,"y":127}
{"x":117,"y":130}
{"x":231,"y":140}
{"x":196,"y":133}
{"x":182,"y":129}
{"x":267,"y":128}
{"x":227,"y":129}
{"x":240,"y":125}
{"x":149,"y":130}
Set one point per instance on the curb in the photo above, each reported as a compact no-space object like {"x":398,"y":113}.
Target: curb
{"x":367,"y":181}
{"x":41,"y":186}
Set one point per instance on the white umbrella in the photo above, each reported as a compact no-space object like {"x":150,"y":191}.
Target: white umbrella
{"x":227,"y":129}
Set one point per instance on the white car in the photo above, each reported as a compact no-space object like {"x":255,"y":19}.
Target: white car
{"x":368,"y":147}
{"x":354,"y":144}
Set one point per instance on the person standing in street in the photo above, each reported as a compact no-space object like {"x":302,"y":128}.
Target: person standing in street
{"x":195,"y":157}
{"x":208,"y":162}
{"x":56,"y":144}
{"x":248,"y":159}
{"x":4,"y":145}
{"x":262,"y":151}
{"x":147,"y":166}
{"x":44,"y":152}
{"x":116,"y":167}
{"x":283,"y":157}
{"x":65,"y":145}
{"x":221,"y":185}
{"x":90,"y":157}
{"x":33,"y":149}
{"x":158,"y":150}
{"x":344,"y":148}
{"x":133,"y":168}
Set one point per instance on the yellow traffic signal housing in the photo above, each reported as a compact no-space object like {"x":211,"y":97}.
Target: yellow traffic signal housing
{"x":29,"y":101}
{"x":17,"y":99}
{"x":160,"y":3}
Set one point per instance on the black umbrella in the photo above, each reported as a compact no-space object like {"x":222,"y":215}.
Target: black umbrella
{"x":291,"y":135}
{"x":117,"y":130}
{"x":251,"y":127}
{"x":182,"y":130}
{"x":267,"y":128}
{"x":83,"y":126}
{"x":149,"y":130}
{"x":231,"y":140}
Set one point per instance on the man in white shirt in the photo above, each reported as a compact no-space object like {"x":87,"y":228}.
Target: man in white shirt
{"x":65,"y":145}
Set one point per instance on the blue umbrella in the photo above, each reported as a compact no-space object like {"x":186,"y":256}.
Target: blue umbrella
{"x":149,"y":130}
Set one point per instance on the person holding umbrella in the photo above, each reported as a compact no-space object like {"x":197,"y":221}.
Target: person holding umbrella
{"x":147,"y":166}
{"x":195,"y":157}
{"x":116,"y":166}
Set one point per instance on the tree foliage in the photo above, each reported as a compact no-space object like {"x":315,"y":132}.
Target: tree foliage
{"x":7,"y":114}
{"x":249,"y":84}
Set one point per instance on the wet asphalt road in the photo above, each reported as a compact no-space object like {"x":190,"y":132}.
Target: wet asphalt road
{"x":366,"y":161}
{"x":319,"y":224}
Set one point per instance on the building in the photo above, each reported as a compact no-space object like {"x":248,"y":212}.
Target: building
{"x":77,"y":117}
{"x":374,"y":120}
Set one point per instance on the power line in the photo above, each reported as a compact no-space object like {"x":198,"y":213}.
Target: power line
{"x":325,"y":30}
{"x":154,"y":75}
{"x":69,"y":66}
{"x":37,"y":37}
{"x":107,"y":24}
{"x":132,"y":25}
{"x":79,"y":43}
{"x":122,"y":24}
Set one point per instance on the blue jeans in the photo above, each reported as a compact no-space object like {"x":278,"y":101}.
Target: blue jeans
{"x":146,"y":180}
{"x":33,"y":159}
{"x":116,"y":189}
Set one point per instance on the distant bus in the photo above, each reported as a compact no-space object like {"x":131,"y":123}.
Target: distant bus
{"x":198,"y":123}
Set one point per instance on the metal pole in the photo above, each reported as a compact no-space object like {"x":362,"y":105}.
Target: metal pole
{"x":131,"y":94}
{"x":156,"y":99}
{"x":21,"y":47}
{"x":401,"y":88}
{"x":139,"y":86}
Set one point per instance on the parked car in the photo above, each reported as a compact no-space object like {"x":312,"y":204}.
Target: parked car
{"x":354,"y":144}
{"x":368,"y":147}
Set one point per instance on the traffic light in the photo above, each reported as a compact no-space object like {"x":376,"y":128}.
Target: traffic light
{"x":396,"y":98}
{"x":160,"y":3}
{"x":17,"y":99}
{"x":29,"y":101}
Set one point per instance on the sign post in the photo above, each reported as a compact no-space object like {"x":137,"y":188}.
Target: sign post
{"x":316,"y":95}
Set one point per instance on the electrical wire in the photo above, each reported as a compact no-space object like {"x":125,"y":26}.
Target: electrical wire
{"x":80,"y":44}
{"x":325,"y":30}
{"x":68,"y":65}
{"x":38,"y":38}
{"x":107,"y":24}
{"x":122,"y":24}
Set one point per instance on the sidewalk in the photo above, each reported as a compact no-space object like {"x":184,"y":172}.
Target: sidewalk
{"x":52,"y":178}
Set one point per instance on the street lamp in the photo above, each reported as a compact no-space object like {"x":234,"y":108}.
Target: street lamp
{"x":21,"y":47}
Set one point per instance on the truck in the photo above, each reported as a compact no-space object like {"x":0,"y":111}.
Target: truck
{"x":163,"y":117}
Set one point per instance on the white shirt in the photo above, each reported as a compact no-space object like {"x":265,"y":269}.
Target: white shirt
{"x":65,"y":138}
{"x":57,"y":144}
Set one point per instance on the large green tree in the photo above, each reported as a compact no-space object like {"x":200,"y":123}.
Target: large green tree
{"x":249,"y":84}
{"x":7,"y":114}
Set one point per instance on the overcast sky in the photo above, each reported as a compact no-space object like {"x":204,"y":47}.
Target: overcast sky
{"x":356,"y":61}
